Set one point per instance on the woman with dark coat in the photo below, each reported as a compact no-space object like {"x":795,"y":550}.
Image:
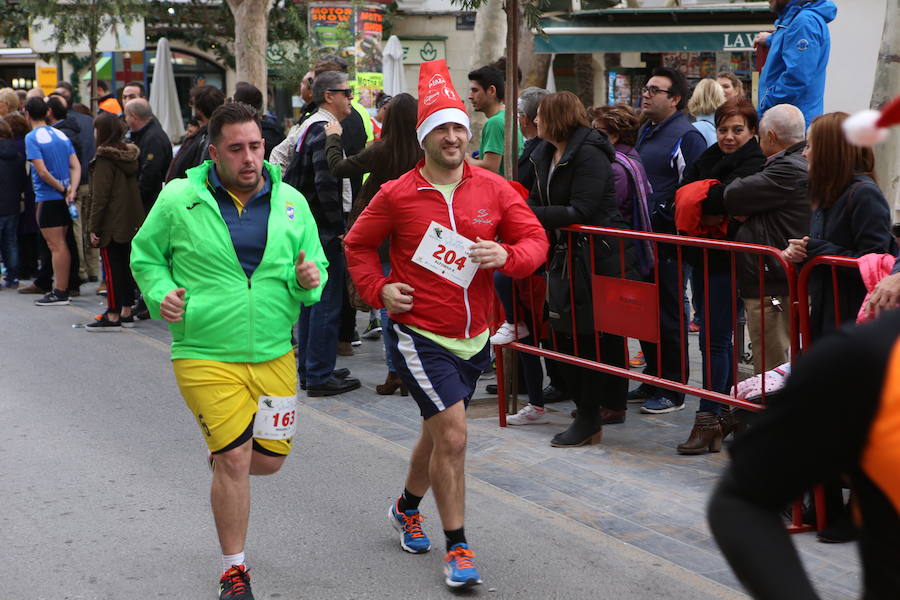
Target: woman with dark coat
{"x":736,"y":154}
{"x":385,"y":159}
{"x":14,"y":180}
{"x":114,"y":215}
{"x":574,"y":185}
{"x":850,"y":218}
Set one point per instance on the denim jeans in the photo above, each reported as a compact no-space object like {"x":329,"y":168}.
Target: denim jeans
{"x":9,"y":246}
{"x":720,"y":354}
{"x":671,"y":303}
{"x":318,"y":326}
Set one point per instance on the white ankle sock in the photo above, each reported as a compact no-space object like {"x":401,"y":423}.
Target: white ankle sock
{"x":230,"y":560}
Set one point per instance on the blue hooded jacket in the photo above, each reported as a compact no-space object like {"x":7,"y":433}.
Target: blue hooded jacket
{"x":798,"y":54}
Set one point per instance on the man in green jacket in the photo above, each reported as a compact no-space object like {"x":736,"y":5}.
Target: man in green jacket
{"x":227,"y":256}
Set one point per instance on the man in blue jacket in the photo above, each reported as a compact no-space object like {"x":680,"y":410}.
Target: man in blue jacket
{"x":798,"y":55}
{"x":668,"y":144}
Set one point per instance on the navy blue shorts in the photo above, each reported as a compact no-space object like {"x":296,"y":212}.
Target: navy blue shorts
{"x":436,"y":378}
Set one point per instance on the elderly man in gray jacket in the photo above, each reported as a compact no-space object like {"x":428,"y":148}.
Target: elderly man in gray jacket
{"x":774,"y":207}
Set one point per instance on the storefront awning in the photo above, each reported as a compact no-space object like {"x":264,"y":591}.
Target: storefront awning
{"x":710,"y":29}
{"x":587,"y":40}
{"x":104,"y":70}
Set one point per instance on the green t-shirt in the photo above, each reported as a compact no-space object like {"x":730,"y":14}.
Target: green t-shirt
{"x":463,"y":348}
{"x":492,"y":135}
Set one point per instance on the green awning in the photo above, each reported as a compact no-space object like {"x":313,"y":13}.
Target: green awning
{"x":104,"y":70}
{"x":698,"y":41}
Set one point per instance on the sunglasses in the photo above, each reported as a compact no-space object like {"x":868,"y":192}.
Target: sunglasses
{"x":384,"y":101}
{"x":347,"y":92}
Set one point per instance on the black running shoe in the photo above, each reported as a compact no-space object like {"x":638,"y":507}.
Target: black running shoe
{"x":103,"y":325}
{"x":127,"y":321}
{"x":235,"y":584}
{"x":54,"y":298}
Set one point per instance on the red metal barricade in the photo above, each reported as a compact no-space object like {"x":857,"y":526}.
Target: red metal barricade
{"x":631,"y":309}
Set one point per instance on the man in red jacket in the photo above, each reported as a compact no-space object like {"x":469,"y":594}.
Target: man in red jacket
{"x":442,"y":219}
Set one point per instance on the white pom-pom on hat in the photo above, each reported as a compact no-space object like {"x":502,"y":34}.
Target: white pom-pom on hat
{"x":870,"y":127}
{"x":861,"y":129}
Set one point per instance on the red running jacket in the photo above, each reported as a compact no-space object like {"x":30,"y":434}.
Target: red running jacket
{"x":483,"y":205}
{"x":689,"y":210}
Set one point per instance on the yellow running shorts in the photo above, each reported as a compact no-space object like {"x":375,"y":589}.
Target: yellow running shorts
{"x":224,"y":398}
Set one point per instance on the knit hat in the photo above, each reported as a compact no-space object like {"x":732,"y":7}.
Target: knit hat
{"x":438,"y":101}
{"x":870,"y":127}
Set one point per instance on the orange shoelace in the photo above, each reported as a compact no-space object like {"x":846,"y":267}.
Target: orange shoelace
{"x":413,"y":525}
{"x":463,"y":557}
{"x":238,"y":577}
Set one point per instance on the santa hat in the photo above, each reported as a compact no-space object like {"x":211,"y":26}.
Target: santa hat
{"x":438,"y":101}
{"x":870,"y":127}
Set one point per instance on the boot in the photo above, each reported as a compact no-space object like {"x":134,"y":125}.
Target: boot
{"x":608,"y":416}
{"x":731,"y":423}
{"x":705,"y":436}
{"x":390,"y":385}
{"x":585,"y":429}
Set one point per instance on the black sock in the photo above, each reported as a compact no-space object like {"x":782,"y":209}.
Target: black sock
{"x":408,"y":501}
{"x":457,"y":536}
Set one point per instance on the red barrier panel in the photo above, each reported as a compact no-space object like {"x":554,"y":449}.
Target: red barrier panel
{"x":630,"y":308}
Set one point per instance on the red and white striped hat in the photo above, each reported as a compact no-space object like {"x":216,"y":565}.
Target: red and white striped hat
{"x":438,"y":101}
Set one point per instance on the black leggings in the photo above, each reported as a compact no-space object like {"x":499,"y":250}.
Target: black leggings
{"x":117,"y":271}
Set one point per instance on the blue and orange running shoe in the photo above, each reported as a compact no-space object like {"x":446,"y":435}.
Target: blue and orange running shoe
{"x":459,"y":568}
{"x":409,"y":524}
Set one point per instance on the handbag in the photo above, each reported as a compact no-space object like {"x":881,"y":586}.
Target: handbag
{"x":569,"y":287}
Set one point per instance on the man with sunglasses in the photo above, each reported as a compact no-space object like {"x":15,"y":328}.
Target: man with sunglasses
{"x":668,"y":144}
{"x":329,"y":198}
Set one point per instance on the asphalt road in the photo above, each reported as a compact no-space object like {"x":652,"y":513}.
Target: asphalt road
{"x":105,"y":494}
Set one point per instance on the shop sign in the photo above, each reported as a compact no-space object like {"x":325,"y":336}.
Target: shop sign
{"x":353,"y":32}
{"x":47,"y":78}
{"x":418,"y":51}
{"x":738,"y":42}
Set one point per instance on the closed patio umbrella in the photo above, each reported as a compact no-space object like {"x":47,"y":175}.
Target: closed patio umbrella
{"x":164,"y":95}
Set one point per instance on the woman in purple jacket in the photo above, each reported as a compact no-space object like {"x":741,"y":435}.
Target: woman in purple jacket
{"x":620,"y":124}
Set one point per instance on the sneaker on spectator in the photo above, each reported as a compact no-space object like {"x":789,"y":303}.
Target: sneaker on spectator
{"x":529,"y":415}
{"x":640,"y":394}
{"x":373,"y":330}
{"x":32,"y":289}
{"x":54,"y":298}
{"x":127,"y":322}
{"x":101,"y":289}
{"x":659,"y":405}
{"x":103,"y":325}
{"x":694,"y":327}
{"x":509,"y":333}
{"x":637,"y":360}
{"x":12,"y":284}
{"x":355,"y":341}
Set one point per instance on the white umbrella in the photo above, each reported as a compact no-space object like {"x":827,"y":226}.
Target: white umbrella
{"x":392,"y":66}
{"x":164,"y":95}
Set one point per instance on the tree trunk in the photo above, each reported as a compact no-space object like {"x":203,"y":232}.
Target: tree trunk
{"x":490,"y":34}
{"x":251,"y":22}
{"x":887,"y":84}
{"x":584,"y":78}
{"x":488,"y":46}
